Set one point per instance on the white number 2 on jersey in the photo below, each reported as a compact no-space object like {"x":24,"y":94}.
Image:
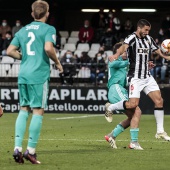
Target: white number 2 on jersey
{"x":29,"y":52}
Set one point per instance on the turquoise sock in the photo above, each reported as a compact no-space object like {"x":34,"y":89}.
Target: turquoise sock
{"x":134,"y":134}
{"x":34,"y":130}
{"x":20,"y":127}
{"x":117,"y":130}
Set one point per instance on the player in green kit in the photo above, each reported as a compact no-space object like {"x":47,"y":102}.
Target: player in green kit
{"x":117,"y":71}
{"x":36,"y":42}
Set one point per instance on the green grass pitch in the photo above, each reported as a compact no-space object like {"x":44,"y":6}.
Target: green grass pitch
{"x":76,"y":142}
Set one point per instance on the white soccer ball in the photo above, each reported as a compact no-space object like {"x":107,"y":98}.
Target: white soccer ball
{"x":165,"y":46}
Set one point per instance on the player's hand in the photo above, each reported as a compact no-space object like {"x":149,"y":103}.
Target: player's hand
{"x":59,"y":67}
{"x":151,"y":65}
{"x":112,"y":58}
{"x":1,"y":111}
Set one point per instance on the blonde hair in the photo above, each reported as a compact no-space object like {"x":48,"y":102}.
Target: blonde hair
{"x":39,"y":9}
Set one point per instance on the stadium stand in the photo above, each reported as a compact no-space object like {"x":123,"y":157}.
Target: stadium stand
{"x":95,"y":47}
{"x":92,"y":53}
{"x":83,"y":47}
{"x":64,"y":34}
{"x":74,"y":34}
{"x":72,"y":40}
{"x":70,"y":47}
{"x":63,"y":41}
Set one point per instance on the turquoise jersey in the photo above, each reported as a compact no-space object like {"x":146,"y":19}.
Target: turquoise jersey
{"x":117,"y":72}
{"x":31,"y":39}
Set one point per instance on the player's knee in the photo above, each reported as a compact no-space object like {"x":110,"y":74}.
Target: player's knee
{"x":133,"y":105}
{"x":159,"y":102}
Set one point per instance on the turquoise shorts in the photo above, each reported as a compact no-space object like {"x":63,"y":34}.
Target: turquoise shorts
{"x":117,"y":93}
{"x":33,"y":95}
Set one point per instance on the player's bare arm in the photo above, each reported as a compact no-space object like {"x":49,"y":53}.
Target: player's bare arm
{"x":13,"y":52}
{"x":119,"y":52}
{"x":1,"y":111}
{"x":52,"y":54}
{"x":162,"y":55}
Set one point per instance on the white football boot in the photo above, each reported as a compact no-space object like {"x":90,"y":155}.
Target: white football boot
{"x":135,"y":145}
{"x":111,"y":141}
{"x":108,"y":114}
{"x":163,"y":135}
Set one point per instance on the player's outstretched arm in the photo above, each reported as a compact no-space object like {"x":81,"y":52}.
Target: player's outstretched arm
{"x":13,"y":52}
{"x":52,"y":54}
{"x":119,"y":52}
{"x":162,"y":55}
{"x":1,"y":111}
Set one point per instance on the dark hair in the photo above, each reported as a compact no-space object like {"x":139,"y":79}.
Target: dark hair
{"x":116,"y":46}
{"x":9,"y":32}
{"x":143,"y":22}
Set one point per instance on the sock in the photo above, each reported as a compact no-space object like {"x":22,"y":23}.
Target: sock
{"x":34,"y":131}
{"x":31,"y":150}
{"x":20,"y":127}
{"x":117,"y":130}
{"x":117,"y":106}
{"x":134,"y":134}
{"x":159,"y":116}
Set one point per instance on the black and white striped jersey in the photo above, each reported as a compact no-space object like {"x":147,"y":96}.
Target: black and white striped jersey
{"x":139,"y":53}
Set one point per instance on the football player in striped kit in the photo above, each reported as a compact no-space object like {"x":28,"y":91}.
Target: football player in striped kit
{"x":139,"y":46}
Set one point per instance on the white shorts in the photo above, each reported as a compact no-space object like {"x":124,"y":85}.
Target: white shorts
{"x":136,"y":85}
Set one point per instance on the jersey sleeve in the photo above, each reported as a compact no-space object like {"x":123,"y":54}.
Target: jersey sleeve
{"x":118,"y":63}
{"x":51,"y":35}
{"x":154,"y":46}
{"x":129,"y":40}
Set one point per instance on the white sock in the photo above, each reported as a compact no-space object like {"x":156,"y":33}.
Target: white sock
{"x":31,"y":150}
{"x":159,"y":116}
{"x":19,"y":148}
{"x":116,"y":106}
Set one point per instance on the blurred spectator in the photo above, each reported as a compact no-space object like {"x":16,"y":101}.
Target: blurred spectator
{"x":128,"y":28}
{"x":83,"y":61}
{"x":86,"y":33}
{"x":1,"y":44}
{"x":83,"y":65}
{"x":69,"y":68}
{"x":4,"y":28}
{"x":58,"y":40}
{"x":161,"y":66}
{"x":165,"y":26}
{"x":17,"y":27}
{"x":7,"y":41}
{"x":108,"y":40}
{"x":113,"y":22}
{"x":98,"y":68}
{"x":161,"y":35}
{"x":103,"y":53}
{"x":99,"y":19}
{"x":99,"y":24}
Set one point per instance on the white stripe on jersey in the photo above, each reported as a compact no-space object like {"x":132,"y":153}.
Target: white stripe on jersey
{"x":119,"y":92}
{"x":139,"y":53}
{"x":45,"y":93}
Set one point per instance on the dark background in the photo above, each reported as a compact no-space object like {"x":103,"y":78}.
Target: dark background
{"x":68,"y":15}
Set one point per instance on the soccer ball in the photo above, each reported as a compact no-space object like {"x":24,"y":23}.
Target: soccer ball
{"x":165,"y":46}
